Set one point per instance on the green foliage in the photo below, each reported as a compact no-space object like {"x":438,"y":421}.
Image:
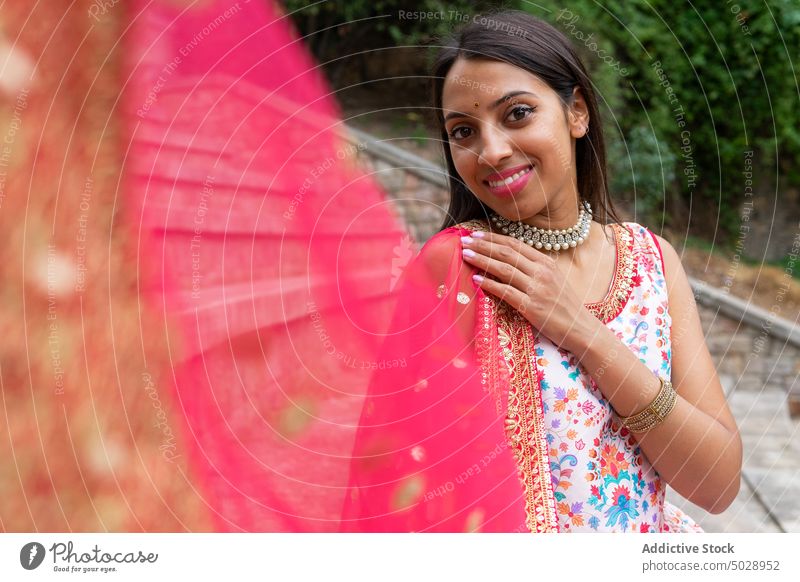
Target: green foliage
{"x":385,"y":22}
{"x":686,"y":87}
{"x":726,"y":85}
{"x":645,"y":167}
{"x":790,"y":265}
{"x":704,"y":245}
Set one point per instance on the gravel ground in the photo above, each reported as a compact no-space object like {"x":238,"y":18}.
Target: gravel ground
{"x":764,"y":285}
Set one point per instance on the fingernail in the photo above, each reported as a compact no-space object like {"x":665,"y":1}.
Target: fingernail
{"x":466,"y":240}
{"x":468,"y":252}
{"x":479,"y":234}
{"x":478,"y":279}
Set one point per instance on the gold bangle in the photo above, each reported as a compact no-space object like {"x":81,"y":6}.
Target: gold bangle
{"x":655,"y":412}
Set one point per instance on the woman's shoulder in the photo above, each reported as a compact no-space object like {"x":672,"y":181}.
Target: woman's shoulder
{"x":641,"y":231}
{"x":658,"y":246}
{"x":640,"y":234}
{"x":448,"y":240}
{"x":440,"y":253}
{"x":439,"y":265}
{"x":441,"y":257}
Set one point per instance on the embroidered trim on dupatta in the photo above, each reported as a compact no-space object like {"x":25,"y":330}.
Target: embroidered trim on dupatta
{"x":505,"y":348}
{"x":487,"y":349}
{"x":525,"y":420}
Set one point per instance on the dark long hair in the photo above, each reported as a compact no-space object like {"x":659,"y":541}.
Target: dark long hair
{"x":531,"y":44}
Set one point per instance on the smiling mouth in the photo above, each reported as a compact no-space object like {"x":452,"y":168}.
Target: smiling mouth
{"x":510,"y":179}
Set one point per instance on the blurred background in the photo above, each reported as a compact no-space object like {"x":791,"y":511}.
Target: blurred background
{"x":700,"y":106}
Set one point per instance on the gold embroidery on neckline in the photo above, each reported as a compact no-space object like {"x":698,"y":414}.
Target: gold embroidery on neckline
{"x":622,"y":280}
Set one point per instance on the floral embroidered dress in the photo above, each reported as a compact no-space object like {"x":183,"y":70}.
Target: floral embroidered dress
{"x":599,"y":478}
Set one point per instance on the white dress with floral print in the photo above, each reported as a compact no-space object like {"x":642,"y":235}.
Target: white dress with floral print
{"x":601,"y":479}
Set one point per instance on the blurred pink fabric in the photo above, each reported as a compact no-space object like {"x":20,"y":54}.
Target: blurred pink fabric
{"x":325,"y":381}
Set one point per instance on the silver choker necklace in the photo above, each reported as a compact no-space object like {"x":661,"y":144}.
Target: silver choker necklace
{"x":545,"y":238}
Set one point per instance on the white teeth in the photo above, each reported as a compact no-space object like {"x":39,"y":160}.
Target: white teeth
{"x":510,"y":179}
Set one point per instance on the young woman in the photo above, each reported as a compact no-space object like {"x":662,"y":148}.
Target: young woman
{"x":605,"y":387}
{"x":552,"y":392}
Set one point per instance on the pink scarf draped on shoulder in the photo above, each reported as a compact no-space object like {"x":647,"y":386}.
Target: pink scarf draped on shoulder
{"x":324,"y":382}
{"x":431,"y":451}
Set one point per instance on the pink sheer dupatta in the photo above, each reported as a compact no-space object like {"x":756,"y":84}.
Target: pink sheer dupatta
{"x":431,"y":451}
{"x":324,"y":382}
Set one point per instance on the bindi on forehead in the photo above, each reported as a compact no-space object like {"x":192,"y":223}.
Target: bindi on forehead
{"x":507,"y":97}
{"x":478,"y":88}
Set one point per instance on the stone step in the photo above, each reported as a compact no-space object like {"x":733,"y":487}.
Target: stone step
{"x":745,"y":514}
{"x":769,"y":497}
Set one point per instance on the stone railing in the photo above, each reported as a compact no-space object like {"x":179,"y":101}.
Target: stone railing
{"x":752,"y":347}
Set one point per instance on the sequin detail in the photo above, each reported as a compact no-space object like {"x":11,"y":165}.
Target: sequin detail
{"x":494,"y":372}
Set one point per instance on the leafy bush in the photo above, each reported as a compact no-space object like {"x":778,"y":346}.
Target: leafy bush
{"x":687,"y":89}
{"x":713,"y":80}
{"x":645,"y":167}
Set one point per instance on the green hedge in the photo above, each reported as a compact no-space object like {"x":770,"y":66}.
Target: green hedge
{"x":687,"y":89}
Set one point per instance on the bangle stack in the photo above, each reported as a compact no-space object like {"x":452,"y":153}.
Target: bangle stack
{"x":656,"y":411}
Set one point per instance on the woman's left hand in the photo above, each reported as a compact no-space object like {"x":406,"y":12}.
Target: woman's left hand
{"x":532,"y":283}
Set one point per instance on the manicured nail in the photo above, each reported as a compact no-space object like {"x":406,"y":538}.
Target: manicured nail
{"x":479,"y":234}
{"x":478,"y":279}
{"x":468,"y":253}
{"x":466,"y":240}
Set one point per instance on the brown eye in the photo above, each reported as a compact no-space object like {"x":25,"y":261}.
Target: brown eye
{"x":520,"y":112}
{"x":460,"y":132}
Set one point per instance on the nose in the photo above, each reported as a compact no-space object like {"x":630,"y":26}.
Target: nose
{"x":495,"y":146}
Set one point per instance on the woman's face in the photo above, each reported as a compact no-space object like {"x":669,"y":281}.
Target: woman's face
{"x":511,"y":138}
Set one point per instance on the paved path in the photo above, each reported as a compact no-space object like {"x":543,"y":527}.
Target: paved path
{"x":769,"y":498}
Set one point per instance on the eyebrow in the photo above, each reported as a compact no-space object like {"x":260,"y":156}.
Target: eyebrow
{"x":503,"y":99}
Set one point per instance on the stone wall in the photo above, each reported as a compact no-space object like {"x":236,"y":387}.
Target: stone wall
{"x":752,"y":348}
